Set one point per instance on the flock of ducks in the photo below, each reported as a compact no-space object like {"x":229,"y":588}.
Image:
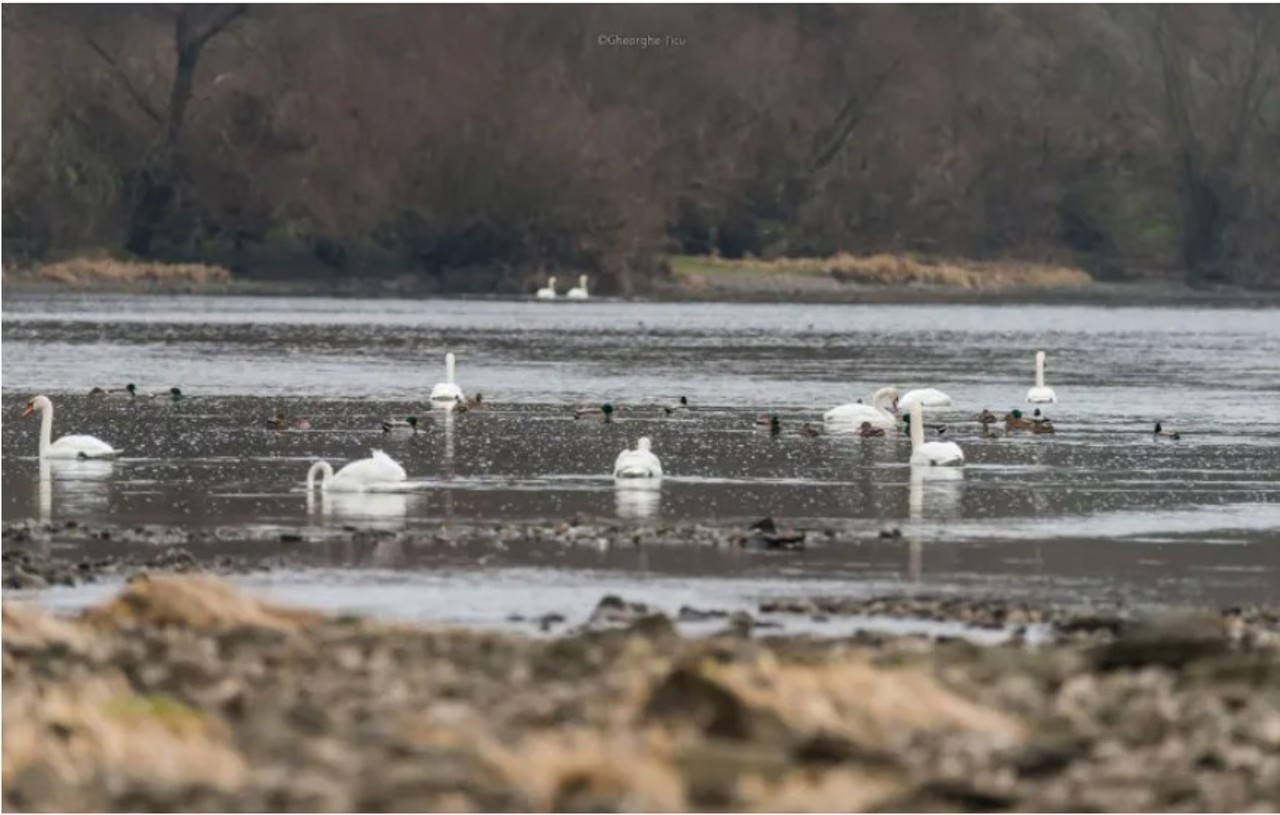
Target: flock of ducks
{"x":380,"y":471}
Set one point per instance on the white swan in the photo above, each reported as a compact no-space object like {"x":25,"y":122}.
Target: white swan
{"x":934,"y":453}
{"x":548,"y":293}
{"x":447,"y":391}
{"x":927,"y":397}
{"x":67,"y":446}
{"x":1041,"y":392}
{"x":638,"y":463}
{"x":368,"y":473}
{"x":855,"y":413}
{"x":580,"y":291}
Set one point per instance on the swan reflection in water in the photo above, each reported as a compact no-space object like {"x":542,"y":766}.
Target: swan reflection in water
{"x":943,"y":486}
{"x":82,"y":485}
{"x":384,"y":510}
{"x":637,"y":497}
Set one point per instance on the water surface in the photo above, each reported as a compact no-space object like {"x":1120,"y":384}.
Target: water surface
{"x":1102,"y":507}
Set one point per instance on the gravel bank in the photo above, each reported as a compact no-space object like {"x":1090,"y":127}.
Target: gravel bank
{"x":182,"y":694}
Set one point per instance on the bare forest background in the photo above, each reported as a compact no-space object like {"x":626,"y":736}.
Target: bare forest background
{"x":478,"y":146}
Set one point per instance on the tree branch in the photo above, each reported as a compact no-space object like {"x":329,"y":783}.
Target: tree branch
{"x":218,"y":24}
{"x":120,"y":75}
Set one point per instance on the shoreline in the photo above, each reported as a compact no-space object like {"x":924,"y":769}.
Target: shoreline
{"x":775,"y":292}
{"x":255,"y":706}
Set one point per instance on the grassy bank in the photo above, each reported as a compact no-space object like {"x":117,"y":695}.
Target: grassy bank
{"x":107,"y":272}
{"x":185,"y":694}
{"x":877,"y":270}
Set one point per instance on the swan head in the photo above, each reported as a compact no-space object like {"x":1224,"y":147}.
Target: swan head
{"x":889,"y":393}
{"x":37,"y":404}
{"x":643,"y":444}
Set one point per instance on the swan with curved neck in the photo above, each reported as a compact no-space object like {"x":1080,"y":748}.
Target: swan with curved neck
{"x":855,"y":413}
{"x":549,"y":291}
{"x":67,"y":446}
{"x":377,"y":471}
{"x":447,"y":392}
{"x":934,"y":453}
{"x":638,"y":463}
{"x":579,"y":292}
{"x":1041,"y":393}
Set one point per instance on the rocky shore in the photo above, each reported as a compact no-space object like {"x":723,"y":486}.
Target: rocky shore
{"x":183,"y":694}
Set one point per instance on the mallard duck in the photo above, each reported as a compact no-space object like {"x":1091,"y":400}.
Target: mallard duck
{"x":771,"y":421}
{"x":986,"y":417}
{"x":129,"y":391}
{"x":1013,"y":421}
{"x":1042,"y":426}
{"x":938,"y":429}
{"x":683,"y":404}
{"x":281,"y":422}
{"x":408,"y":423}
{"x":605,"y":411}
{"x":808,"y":429}
{"x":1160,"y":432}
{"x":870,"y":431}
{"x":476,"y":402}
{"x":175,"y":395}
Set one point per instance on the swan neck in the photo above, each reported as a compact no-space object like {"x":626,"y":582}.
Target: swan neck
{"x":1040,"y":370}
{"x":46,"y":427}
{"x":325,"y":471}
{"x":448,"y":367}
{"x":917,"y":426}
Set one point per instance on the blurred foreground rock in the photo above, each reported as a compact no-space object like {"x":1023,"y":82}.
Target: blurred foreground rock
{"x":184,"y":694}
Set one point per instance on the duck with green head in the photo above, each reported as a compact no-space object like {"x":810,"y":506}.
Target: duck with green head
{"x":605,"y":412}
{"x":1013,"y":421}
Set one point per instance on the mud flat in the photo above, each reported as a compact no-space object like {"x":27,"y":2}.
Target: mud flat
{"x":182,"y":694}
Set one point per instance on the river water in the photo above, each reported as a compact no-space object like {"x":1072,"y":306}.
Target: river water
{"x":1101,"y":508}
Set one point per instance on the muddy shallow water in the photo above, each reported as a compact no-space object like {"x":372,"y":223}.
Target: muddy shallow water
{"x":1101,"y":509}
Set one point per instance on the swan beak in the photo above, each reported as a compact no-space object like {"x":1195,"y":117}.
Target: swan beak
{"x":31,"y":408}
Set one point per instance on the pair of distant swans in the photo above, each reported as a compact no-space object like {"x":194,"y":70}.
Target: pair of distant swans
{"x":577,"y":293}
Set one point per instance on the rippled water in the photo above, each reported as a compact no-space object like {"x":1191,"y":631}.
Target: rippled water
{"x":1104,"y":498}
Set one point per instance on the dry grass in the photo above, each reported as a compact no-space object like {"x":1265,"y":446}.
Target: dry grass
{"x":894,"y":270}
{"x":105,"y":733}
{"x":92,"y":271}
{"x":195,"y":602}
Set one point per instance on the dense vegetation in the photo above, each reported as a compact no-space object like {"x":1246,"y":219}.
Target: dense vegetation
{"x":478,"y":145}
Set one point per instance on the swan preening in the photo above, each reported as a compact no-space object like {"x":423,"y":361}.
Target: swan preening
{"x":549,"y":292}
{"x":1041,"y":393}
{"x":579,"y":292}
{"x":934,"y":453}
{"x":67,"y":446}
{"x":855,"y":413}
{"x":448,"y":392}
{"x":638,"y":463}
{"x":380,"y":470}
